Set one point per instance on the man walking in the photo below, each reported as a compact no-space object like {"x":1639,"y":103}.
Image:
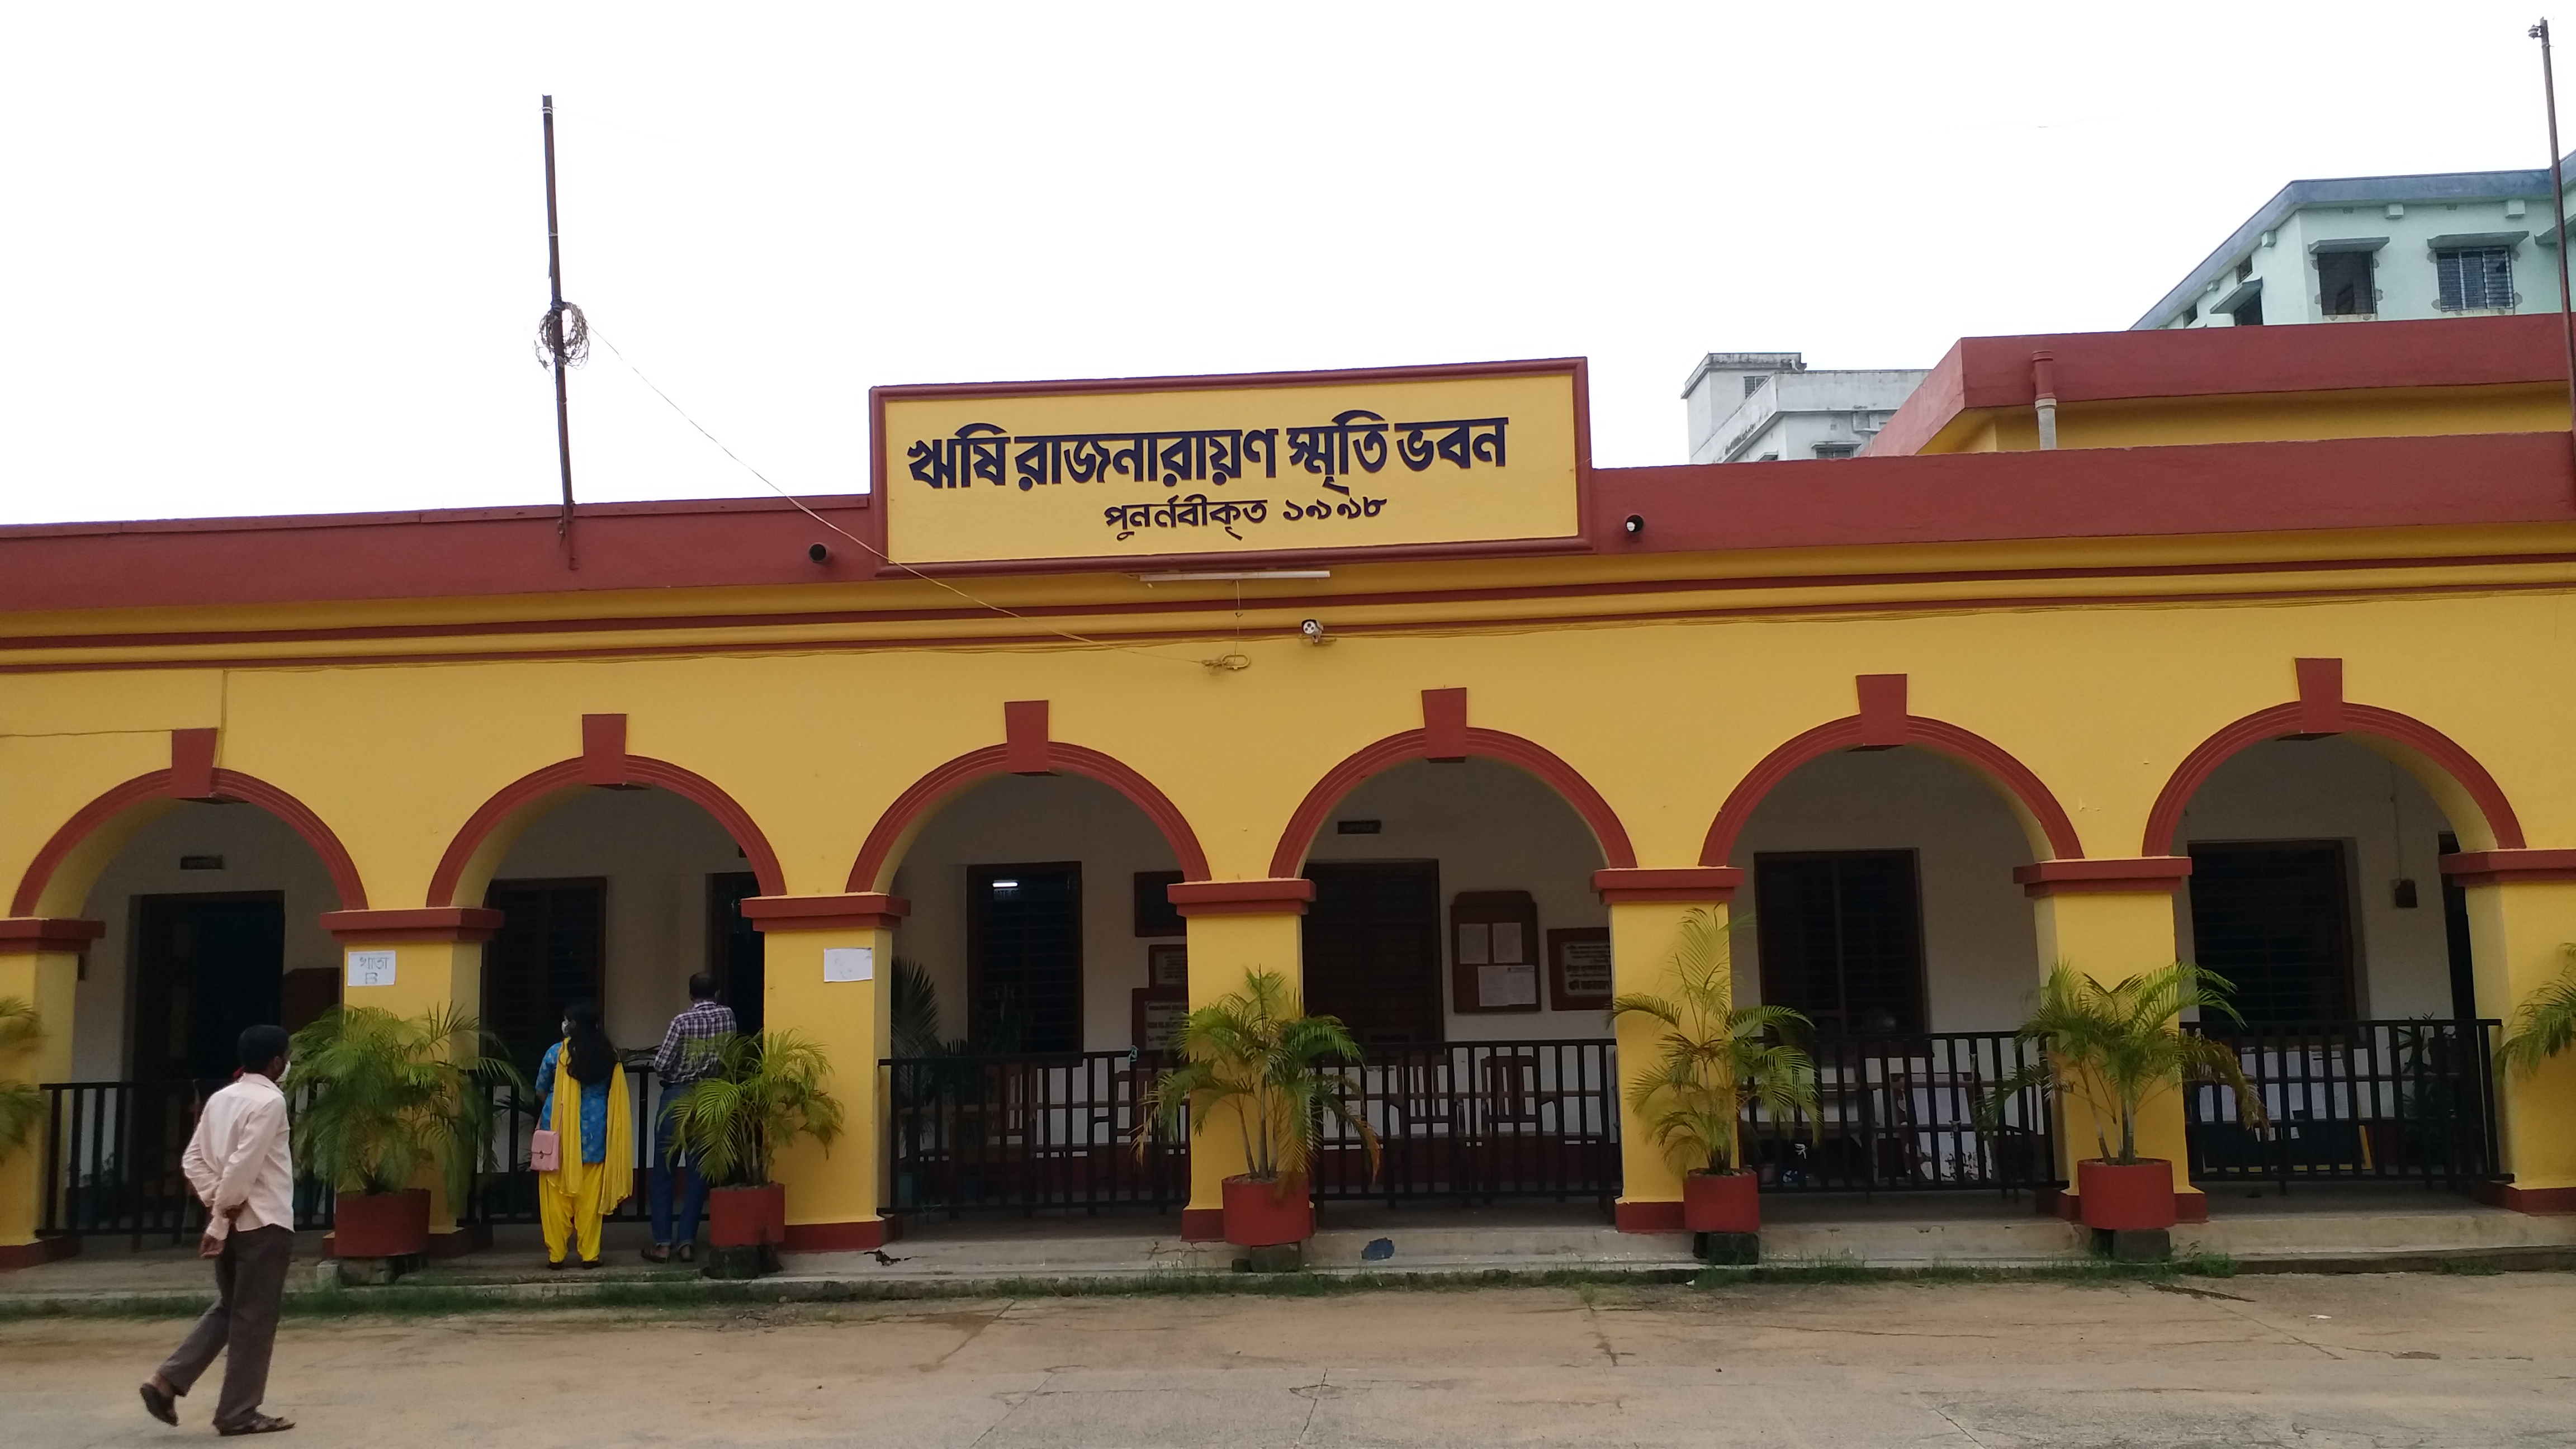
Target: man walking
{"x":687,"y":1056}
{"x":238,"y":1163}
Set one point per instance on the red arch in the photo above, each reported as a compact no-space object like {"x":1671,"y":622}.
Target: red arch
{"x":966,"y":769}
{"x":1290,"y":857}
{"x":2282,"y":720}
{"x":228,"y":785}
{"x":639,"y":770}
{"x":1974,"y":750}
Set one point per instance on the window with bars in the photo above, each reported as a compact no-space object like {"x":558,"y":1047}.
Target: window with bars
{"x":2475,"y":278}
{"x":2275,"y":919}
{"x":1024,"y":957}
{"x":2344,"y":287}
{"x":1842,"y":938}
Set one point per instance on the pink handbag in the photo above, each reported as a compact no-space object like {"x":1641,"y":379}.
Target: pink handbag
{"x":545,"y":1151}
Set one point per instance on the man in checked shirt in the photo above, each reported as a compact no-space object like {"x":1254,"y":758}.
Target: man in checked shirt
{"x":688,"y":1055}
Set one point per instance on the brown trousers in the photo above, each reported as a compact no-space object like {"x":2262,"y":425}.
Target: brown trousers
{"x":250,"y":1282}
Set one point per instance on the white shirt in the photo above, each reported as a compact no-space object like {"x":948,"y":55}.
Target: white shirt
{"x":238,"y":1155}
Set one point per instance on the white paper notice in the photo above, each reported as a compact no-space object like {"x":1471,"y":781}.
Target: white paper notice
{"x":1507,"y":986}
{"x":849,"y":963}
{"x":371,"y":968}
{"x":1472,"y":944}
{"x":1507,"y":941}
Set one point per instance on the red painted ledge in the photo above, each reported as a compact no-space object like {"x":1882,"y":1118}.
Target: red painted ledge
{"x":1202,"y":1225}
{"x":2509,"y":867}
{"x":855,"y":911}
{"x":855,"y":1237}
{"x":2537,"y":1200}
{"x":432,"y":924}
{"x":1698,"y":885}
{"x":1640,"y":1216}
{"x":38,"y":1253}
{"x":2152,"y":874}
{"x":22,"y":934}
{"x":1268,"y":897}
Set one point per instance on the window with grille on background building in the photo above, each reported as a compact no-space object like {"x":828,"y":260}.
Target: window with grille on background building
{"x":2344,"y":284}
{"x":2475,"y":278}
{"x":1841,"y":936}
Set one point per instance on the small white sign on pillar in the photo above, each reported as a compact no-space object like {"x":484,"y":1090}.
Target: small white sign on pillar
{"x":849,"y":963}
{"x":371,"y":968}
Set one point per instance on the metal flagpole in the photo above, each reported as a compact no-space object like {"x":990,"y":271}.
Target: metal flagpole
{"x":554,"y":337}
{"x":2558,"y":220}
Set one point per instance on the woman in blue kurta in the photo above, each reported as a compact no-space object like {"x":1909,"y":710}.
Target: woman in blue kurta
{"x":585,"y":1107}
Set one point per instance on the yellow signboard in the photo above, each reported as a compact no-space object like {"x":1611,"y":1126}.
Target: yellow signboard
{"x":1166,"y":468}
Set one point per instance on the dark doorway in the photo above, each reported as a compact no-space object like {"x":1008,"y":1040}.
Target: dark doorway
{"x":205,"y":967}
{"x":1842,"y":938}
{"x":1024,"y":957}
{"x":551,"y":952}
{"x":1372,"y":949}
{"x":734,"y":952}
{"x":2455,"y":933}
{"x":2275,"y":918}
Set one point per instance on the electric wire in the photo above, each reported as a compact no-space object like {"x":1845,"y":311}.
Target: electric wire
{"x":593,"y":334}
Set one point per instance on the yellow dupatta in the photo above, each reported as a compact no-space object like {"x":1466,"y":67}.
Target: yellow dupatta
{"x":617,"y":1161}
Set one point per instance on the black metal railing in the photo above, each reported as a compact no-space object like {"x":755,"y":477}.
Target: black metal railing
{"x":506,"y":1191}
{"x":115,"y":1147}
{"x":2405,"y":1100}
{"x":1479,"y":1121}
{"x":1026,"y":1133}
{"x":1904,"y":1113}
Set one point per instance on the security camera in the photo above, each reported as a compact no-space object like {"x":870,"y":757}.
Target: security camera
{"x":1636,"y":524}
{"x":819,"y":554}
{"x":1313,"y":629}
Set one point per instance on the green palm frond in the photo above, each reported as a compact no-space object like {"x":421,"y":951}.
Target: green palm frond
{"x":384,"y":1097}
{"x":1714,"y":1060}
{"x":22,"y":1104}
{"x":1257,"y":1050}
{"x":766,"y":1091}
{"x":2544,"y":1025}
{"x":2116,"y":1047}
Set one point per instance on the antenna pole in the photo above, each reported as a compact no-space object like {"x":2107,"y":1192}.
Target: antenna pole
{"x":2558,"y":221}
{"x":555,"y":339}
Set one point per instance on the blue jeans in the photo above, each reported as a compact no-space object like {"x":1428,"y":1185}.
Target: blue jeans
{"x":666,"y":1231}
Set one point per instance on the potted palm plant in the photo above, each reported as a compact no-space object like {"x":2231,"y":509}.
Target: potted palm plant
{"x":2544,"y":1025}
{"x":1714,"y":1061}
{"x":22,"y":1104}
{"x":385,"y":1097}
{"x":767,"y":1090}
{"x":2114,"y":1048}
{"x":1258,"y":1050}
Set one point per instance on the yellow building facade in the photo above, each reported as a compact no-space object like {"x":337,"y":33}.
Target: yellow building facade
{"x":2060,"y":685}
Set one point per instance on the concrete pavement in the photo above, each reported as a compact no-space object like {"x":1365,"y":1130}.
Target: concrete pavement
{"x":2370,"y":1360}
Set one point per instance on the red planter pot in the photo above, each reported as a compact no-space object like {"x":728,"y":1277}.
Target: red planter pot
{"x":745,"y":1217}
{"x":380,"y":1224}
{"x":1255,"y":1218}
{"x":1722,"y":1202}
{"x":2126,"y":1199}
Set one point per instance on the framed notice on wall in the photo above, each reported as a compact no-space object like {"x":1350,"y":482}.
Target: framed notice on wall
{"x":1493,"y":952}
{"x":1578,"y":969}
{"x":1159,"y":1012}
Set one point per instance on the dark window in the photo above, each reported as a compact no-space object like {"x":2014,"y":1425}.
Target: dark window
{"x":1753,"y":385}
{"x":735,"y":955}
{"x":2475,"y":278}
{"x":2455,"y":935}
{"x":1024,"y":957}
{"x":551,"y":952}
{"x":1842,"y":938}
{"x":2344,"y":284}
{"x":1836,"y":450}
{"x":205,"y":968}
{"x":2275,"y":919}
{"x":1372,"y":948}
{"x":2249,"y":313}
{"x":2245,"y":270}
{"x":1155,"y":913}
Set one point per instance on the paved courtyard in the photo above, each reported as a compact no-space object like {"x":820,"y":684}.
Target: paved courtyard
{"x":2326,"y":1362}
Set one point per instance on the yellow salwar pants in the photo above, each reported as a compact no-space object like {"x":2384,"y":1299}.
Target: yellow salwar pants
{"x":568,"y":1205}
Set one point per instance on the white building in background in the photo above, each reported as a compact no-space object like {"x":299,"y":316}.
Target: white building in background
{"x":1766,"y":407}
{"x":2364,"y":248}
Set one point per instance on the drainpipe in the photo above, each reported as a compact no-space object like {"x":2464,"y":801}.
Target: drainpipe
{"x":2043,"y":379}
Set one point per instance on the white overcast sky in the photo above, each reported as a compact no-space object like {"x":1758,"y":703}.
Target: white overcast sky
{"x":256,"y":259}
